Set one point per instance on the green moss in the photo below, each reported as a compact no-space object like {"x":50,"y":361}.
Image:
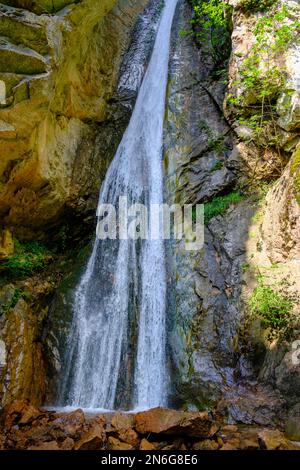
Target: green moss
{"x":20,"y":33}
{"x":220,"y":204}
{"x":273,"y":308}
{"x":217,"y":166}
{"x":28,"y":258}
{"x":12,"y":61}
{"x":252,"y":6}
{"x":17,"y":295}
{"x":295,"y":172}
{"x":40,"y":6}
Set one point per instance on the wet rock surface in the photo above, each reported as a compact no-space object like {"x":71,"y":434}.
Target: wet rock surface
{"x":23,"y":427}
{"x":252,"y":380}
{"x":206,"y":284}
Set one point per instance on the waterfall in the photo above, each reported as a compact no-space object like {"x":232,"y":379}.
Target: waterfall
{"x":117,"y":347}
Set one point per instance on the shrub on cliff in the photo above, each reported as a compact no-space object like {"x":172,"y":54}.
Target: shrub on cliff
{"x":29,"y":257}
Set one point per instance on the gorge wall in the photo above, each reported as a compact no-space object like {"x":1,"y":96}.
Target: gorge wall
{"x":59,"y":70}
{"x":226,"y":346}
{"x":61,"y":120}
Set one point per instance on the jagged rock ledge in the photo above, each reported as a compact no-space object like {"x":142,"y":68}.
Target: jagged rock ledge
{"x":24,"y":427}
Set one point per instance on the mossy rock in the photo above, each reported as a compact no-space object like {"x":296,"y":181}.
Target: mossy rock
{"x":40,"y":6}
{"x":11,"y":80}
{"x":29,"y":35}
{"x":14,"y":60}
{"x":295,"y":172}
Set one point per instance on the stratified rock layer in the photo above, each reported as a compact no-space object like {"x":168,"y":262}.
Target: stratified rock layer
{"x":54,"y":99}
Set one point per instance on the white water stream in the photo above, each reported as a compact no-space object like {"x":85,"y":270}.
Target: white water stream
{"x":118,"y":339}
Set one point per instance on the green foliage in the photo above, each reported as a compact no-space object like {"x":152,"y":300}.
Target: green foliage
{"x":217,"y":143}
{"x":251,"y":6}
{"x":217,"y":166}
{"x":220,"y":204}
{"x":211,"y":25}
{"x":272,"y":307}
{"x":264,"y":84}
{"x":28,"y":258}
{"x":17,"y":295}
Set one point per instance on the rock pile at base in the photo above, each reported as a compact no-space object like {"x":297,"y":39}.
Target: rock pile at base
{"x":24,"y":427}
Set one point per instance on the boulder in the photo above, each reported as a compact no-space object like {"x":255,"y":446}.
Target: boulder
{"x":95,"y":437}
{"x":273,"y":439}
{"x":90,"y":441}
{"x":129,"y":436}
{"x":20,"y":413}
{"x":115,"y":444}
{"x":166,"y":421}
{"x":68,"y":424}
{"x":122,"y":421}
{"x":67,"y":444}
{"x":146,"y":445}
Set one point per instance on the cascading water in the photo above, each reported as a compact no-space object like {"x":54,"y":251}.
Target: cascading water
{"x":118,"y":341}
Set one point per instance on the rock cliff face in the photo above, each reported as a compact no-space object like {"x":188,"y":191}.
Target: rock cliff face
{"x":59,"y":65}
{"x":62,"y":116}
{"x":252,"y":378}
{"x":59,"y":127}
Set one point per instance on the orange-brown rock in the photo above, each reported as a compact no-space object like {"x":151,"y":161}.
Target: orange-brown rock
{"x":115,"y":444}
{"x":166,"y":421}
{"x":46,"y":446}
{"x":68,"y":424}
{"x":273,"y":439}
{"x":231,"y":445}
{"x":6,"y":244}
{"x":20,"y":412}
{"x":122,"y":421}
{"x":207,"y":444}
{"x":90,"y":441}
{"x":129,"y":436}
{"x":95,"y":437}
{"x":67,"y":444}
{"x":146,"y":445}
